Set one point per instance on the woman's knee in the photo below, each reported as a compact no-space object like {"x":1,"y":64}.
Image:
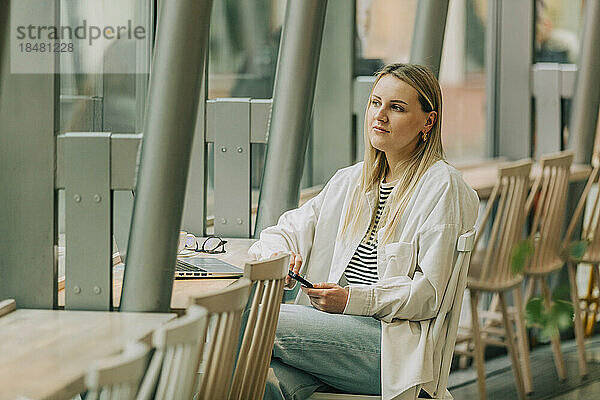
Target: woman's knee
{"x":272,"y":389}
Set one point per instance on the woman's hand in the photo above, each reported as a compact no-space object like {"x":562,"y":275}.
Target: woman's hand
{"x":328,"y":297}
{"x":295,"y":264}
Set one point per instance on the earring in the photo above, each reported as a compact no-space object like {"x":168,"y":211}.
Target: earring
{"x":425,"y":136}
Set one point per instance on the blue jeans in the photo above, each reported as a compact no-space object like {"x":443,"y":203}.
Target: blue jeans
{"x":315,"y":349}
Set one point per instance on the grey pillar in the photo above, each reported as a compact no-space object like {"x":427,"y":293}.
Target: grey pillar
{"x":508,"y":69}
{"x":4,"y":34}
{"x":331,"y":139}
{"x":293,"y":97}
{"x":428,"y":33}
{"x":194,"y":208}
{"x":169,"y":128}
{"x":586,"y":98}
{"x":28,"y":107}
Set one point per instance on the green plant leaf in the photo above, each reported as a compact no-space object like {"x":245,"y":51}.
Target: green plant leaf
{"x":550,"y":322}
{"x":547,"y":333}
{"x":534,"y":312}
{"x":562,"y":314}
{"x":520,"y":255}
{"x":576,"y":249}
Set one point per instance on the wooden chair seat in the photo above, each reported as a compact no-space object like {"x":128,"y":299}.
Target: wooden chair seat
{"x":548,"y":267}
{"x":474,"y":280}
{"x":592,"y":252}
{"x":591,"y":256}
{"x":586,"y":259}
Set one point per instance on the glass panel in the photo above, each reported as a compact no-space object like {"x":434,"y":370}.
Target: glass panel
{"x":463,"y":78}
{"x":244,"y":40}
{"x":558,"y":30}
{"x":557,"y":37}
{"x":384,"y":33}
{"x":104,"y":79}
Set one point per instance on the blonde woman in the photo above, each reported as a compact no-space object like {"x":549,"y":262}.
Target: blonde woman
{"x":379,"y":244}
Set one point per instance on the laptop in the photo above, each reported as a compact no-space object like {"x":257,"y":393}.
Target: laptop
{"x":187,"y":267}
{"x":205,"y":267}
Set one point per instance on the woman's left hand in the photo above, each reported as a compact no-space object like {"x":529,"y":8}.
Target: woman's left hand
{"x":328,"y":297}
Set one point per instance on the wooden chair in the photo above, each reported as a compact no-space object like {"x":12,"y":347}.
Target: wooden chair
{"x":491,"y":272}
{"x":444,"y":329}
{"x":118,"y":377}
{"x":224,"y":309}
{"x":590,"y":234}
{"x":268,"y":279}
{"x":549,"y":194}
{"x":7,"y":306}
{"x":178,"y":349}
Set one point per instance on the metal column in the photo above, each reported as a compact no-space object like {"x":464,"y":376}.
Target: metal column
{"x":509,"y":38}
{"x":27,"y":146}
{"x":293,"y":97}
{"x":177,"y":69}
{"x":586,"y":99}
{"x":428,"y":33}
{"x":4,"y":34}
{"x":194,"y":207}
{"x":330,"y":143}
{"x":584,"y":114}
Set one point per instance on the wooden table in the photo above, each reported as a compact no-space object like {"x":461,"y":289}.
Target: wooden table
{"x":44,"y":354}
{"x":236,"y":254}
{"x":482,"y":178}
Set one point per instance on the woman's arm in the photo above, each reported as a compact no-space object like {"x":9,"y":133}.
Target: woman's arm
{"x":295,"y":229}
{"x":416,"y":298}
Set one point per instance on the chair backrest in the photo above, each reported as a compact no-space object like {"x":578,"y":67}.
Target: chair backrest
{"x":268,"y":279}
{"x":445,"y":326}
{"x":225,"y":309}
{"x":591,"y":226}
{"x":552,"y":185}
{"x":174,"y":366}
{"x":508,"y":201}
{"x":118,"y":377}
{"x":7,"y":306}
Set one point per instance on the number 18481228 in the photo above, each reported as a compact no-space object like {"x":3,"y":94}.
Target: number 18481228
{"x":43,"y":47}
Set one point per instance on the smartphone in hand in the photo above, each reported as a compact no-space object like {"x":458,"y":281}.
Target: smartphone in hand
{"x":300,"y":279}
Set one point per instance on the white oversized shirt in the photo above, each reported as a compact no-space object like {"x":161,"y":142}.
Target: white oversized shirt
{"x":441,"y":208}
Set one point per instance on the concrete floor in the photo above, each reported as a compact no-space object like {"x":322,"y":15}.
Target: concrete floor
{"x":500,"y":380}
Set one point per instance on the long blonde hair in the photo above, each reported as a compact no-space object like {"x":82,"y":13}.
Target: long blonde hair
{"x":375,"y":166}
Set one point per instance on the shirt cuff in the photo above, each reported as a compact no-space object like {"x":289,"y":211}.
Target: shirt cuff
{"x":360,"y":300}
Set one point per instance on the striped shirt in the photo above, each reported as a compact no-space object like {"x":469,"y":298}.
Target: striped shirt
{"x":362,"y":268}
